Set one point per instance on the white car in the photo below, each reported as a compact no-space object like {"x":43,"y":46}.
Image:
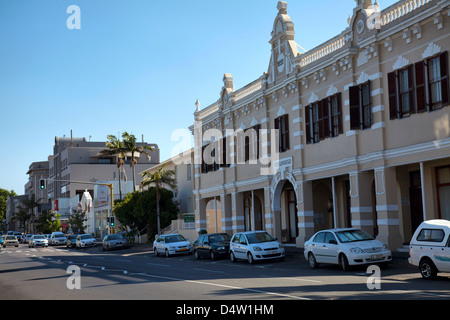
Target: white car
{"x":85,"y":240}
{"x":170,"y":244}
{"x":38,"y":240}
{"x":429,"y":248}
{"x":345,"y":247}
{"x":255,"y":246}
{"x":57,"y":238}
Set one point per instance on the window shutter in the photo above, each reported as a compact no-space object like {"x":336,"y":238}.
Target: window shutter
{"x":308,"y":124}
{"x":355,"y":121}
{"x":420,"y":86}
{"x":412,"y":100}
{"x":444,"y":77}
{"x":339,"y":104}
{"x":286,"y":132}
{"x":325,"y":119}
{"x":392,"y":85}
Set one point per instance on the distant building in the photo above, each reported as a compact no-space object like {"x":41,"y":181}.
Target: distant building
{"x":76,"y":159}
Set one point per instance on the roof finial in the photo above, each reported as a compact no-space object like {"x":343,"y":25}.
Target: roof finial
{"x":282,"y":7}
{"x":197,"y":104}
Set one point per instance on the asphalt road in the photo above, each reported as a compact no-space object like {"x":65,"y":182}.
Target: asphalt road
{"x":136,"y":274}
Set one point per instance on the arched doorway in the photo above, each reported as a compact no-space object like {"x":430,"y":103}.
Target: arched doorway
{"x":284,"y":206}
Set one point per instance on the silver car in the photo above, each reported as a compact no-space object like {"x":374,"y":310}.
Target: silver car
{"x":112,"y":241}
{"x":10,"y":241}
{"x":85,"y":240}
{"x":38,"y":240}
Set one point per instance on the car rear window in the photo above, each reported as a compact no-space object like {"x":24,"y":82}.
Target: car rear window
{"x":431,"y":235}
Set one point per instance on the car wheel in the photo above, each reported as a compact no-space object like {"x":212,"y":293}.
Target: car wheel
{"x":427,"y":269}
{"x":312,"y":261}
{"x":212,"y":255}
{"x":232,"y":257}
{"x":250,"y":258}
{"x":343,"y":262}
{"x":167,"y":254}
{"x":155,"y":252}
{"x":196,"y":255}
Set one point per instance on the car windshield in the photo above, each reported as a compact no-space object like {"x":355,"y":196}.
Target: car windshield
{"x":39,"y":237}
{"x":72,"y":236}
{"x":175,"y":238}
{"x":219,"y":238}
{"x":59,"y":235}
{"x":87,"y":236}
{"x":353,"y":236}
{"x":259,"y":237}
{"x":11,"y":238}
{"x":115,"y":237}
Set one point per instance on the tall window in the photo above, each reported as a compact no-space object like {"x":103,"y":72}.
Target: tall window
{"x":282,"y":124}
{"x":361,"y":107}
{"x":251,"y":143}
{"x":401,"y":92}
{"x":324,"y":119}
{"x":432,"y":83}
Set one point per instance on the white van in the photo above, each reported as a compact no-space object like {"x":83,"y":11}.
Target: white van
{"x":430,"y":248}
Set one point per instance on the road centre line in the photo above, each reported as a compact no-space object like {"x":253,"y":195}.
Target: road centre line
{"x":225,"y":286}
{"x":206,"y":270}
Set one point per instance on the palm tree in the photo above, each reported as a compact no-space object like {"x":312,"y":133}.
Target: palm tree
{"x":30,"y":203}
{"x":158,"y":179}
{"x":130,"y":147}
{"x":115,"y":147}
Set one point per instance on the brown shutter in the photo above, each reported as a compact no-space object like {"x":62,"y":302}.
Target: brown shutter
{"x":308,"y":124}
{"x":392,"y":85}
{"x":325,"y":119}
{"x":444,"y":78}
{"x":420,"y":86}
{"x":286,"y":132}
{"x":355,"y":120}
{"x":339,"y":104}
{"x":412,"y":100}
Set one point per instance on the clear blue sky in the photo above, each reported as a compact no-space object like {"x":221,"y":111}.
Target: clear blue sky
{"x":135,"y":65}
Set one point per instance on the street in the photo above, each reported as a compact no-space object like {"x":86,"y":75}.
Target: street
{"x":136,"y":274}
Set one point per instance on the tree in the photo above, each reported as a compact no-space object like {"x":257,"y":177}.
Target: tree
{"x":115,"y":147}
{"x":23,"y":215}
{"x":131,"y":148}
{"x":138,"y":210}
{"x":4,"y":194}
{"x":30,"y":203}
{"x":159,"y":178}
{"x":77,"y":220}
{"x":48,"y":222}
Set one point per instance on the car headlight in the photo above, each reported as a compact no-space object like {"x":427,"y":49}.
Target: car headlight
{"x":257,"y":248}
{"x":356,"y":250}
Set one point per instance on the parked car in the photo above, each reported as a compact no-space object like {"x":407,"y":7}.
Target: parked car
{"x":27,"y":237}
{"x":71,"y":240}
{"x":212,"y":245}
{"x":113,"y":241}
{"x":85,"y":240}
{"x":57,"y":238}
{"x":255,"y":246}
{"x":429,"y":248}
{"x":170,"y":244}
{"x":10,"y":240}
{"x":38,"y":240}
{"x":345,"y":247}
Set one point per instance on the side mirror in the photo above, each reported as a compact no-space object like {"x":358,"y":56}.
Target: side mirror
{"x":332,"y":242}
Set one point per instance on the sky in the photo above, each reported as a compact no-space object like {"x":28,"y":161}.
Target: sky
{"x":134,"y":65}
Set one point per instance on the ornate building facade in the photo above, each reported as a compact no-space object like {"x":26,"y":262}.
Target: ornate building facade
{"x":355,"y":132}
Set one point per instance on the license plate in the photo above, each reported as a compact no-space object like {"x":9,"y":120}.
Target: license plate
{"x":183,"y":250}
{"x":273,"y":252}
{"x":376,"y":257}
